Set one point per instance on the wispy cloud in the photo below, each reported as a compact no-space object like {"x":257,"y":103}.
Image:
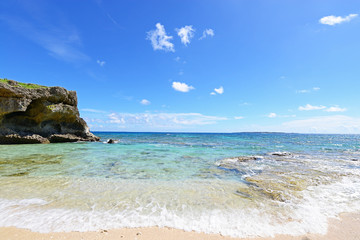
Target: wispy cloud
{"x":332,"y":20}
{"x":159,"y":39}
{"x":113,"y":20}
{"x":314,"y":89}
{"x":116,"y":118}
{"x":320,"y":124}
{"x":145,"y":102}
{"x":323,"y":124}
{"x":61,"y":42}
{"x":101,"y":63}
{"x":92,"y":110}
{"x":272,"y":115}
{"x":207,"y":32}
{"x":309,"y":107}
{"x":186,"y":34}
{"x":335,"y":109}
{"x":178,"y":59}
{"x":163,"y":120}
{"x":244,"y":104}
{"x":303,"y":91}
{"x":182,"y":87}
{"x":102,"y":7}
{"x":239,"y":117}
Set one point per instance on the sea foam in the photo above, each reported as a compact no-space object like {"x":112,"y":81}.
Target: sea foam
{"x":306,"y":215}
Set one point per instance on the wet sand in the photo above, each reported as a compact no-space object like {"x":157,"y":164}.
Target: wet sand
{"x":347,"y":227}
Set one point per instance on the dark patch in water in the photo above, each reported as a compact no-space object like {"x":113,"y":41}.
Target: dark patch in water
{"x":18,"y":174}
{"x":21,"y":166}
{"x":242,"y":194}
{"x":233,"y":170}
{"x":34,"y":159}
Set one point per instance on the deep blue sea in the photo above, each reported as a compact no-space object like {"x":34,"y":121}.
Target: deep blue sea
{"x":238,"y":184}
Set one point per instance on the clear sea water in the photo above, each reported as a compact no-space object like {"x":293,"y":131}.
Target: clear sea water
{"x":188,"y":181}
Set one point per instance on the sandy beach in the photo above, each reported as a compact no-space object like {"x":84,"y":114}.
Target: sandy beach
{"x":344,"y":228}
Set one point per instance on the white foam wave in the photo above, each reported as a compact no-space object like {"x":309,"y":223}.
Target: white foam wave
{"x":307,"y":215}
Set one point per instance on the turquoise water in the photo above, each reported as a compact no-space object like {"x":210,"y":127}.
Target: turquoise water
{"x":186,"y":181}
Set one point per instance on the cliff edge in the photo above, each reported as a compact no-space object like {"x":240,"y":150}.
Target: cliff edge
{"x":31,"y":113}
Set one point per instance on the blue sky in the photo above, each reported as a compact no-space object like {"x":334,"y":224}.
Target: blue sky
{"x":193,"y":66}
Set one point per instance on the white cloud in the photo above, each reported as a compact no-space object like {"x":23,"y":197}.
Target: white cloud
{"x":303,"y":91}
{"x":159,"y":39}
{"x":182,"y":87}
{"x":114,"y":118}
{"x":101,"y":63}
{"x":239,"y":117}
{"x":272,"y":115}
{"x":323,"y":124}
{"x":145,"y":102}
{"x":178,"y":59}
{"x":314,"y":89}
{"x":186,"y":34}
{"x":332,"y":20}
{"x":91,"y":110}
{"x":309,"y":107}
{"x":207,"y":32}
{"x":219,"y":90}
{"x":335,"y":109}
{"x":244,"y":104}
{"x":163,"y":120}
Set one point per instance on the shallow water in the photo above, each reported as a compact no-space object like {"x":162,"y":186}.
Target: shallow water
{"x":186,"y":181}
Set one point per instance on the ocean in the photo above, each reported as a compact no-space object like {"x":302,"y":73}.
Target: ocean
{"x":235,"y":184}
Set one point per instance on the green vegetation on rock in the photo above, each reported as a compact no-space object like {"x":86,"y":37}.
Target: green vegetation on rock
{"x":20,"y":84}
{"x":51,"y":107}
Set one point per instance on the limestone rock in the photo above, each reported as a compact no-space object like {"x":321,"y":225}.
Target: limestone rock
{"x":281,"y":154}
{"x":36,"y":114}
{"x":234,"y":161}
{"x":17,"y":139}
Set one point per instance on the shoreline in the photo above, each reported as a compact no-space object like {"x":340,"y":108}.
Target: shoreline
{"x":345,"y":227}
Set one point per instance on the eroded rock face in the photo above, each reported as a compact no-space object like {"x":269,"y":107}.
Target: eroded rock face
{"x":40,"y":115}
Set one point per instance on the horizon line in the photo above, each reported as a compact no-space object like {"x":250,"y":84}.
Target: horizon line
{"x":264,"y":132}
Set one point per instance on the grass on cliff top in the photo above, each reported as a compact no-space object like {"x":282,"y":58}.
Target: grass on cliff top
{"x":20,"y":84}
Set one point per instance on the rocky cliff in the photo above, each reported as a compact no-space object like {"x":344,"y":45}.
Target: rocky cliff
{"x":32,"y":113}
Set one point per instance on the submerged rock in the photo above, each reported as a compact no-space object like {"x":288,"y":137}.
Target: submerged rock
{"x":110,"y":141}
{"x":276,"y":187}
{"x":280,"y":154}
{"x":31,"y":113}
{"x":242,"y":194}
{"x":229,"y":162}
